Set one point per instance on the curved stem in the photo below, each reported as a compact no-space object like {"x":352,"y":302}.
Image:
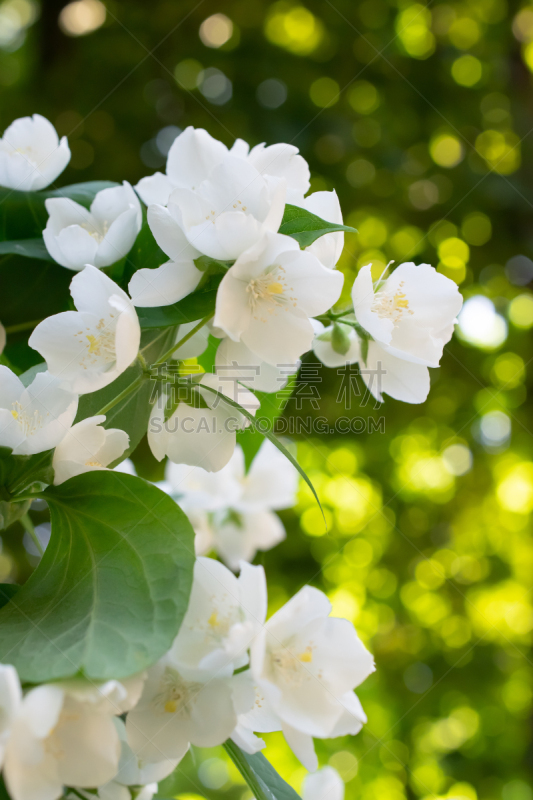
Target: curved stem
{"x":28,"y":526}
{"x":186,"y":338}
{"x":128,"y":390}
{"x":22,"y":326}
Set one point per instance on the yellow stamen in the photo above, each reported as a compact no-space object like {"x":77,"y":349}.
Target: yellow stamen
{"x":401,"y":300}
{"x":213,"y":620}
{"x":306,"y":657}
{"x":171,"y":706}
{"x":275,"y":288}
{"x":15,"y":414}
{"x":94,"y":343}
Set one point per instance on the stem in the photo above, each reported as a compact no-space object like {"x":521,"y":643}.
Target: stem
{"x":22,"y":326}
{"x":244,"y":768}
{"x":28,"y":526}
{"x":21,"y":498}
{"x":186,"y":338}
{"x":128,"y":390}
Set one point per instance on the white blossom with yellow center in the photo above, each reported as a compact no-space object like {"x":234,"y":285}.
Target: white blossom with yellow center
{"x":87,"y":446}
{"x":411,"y":314}
{"x":36,"y":418}
{"x":306,"y":665}
{"x":64,"y":735}
{"x":223,"y":616}
{"x":267,"y":297}
{"x":92,"y":346}
{"x":75,"y":236}
{"x":174,"y":712}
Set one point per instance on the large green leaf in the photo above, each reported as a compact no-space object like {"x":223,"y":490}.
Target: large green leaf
{"x":260,"y":775}
{"x":111,"y":590}
{"x":306,"y":227}
{"x":193,"y":307}
{"x":133,"y":412}
{"x":23,"y":214}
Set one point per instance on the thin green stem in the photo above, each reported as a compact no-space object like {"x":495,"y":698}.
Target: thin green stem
{"x":28,"y":526}
{"x":127,"y":391}
{"x":244,"y":768}
{"x":22,"y":326}
{"x":21,"y":498}
{"x":182,"y":341}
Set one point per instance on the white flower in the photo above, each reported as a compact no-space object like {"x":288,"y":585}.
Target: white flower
{"x":10,"y":699}
{"x":326,"y":784}
{"x":306,"y":664}
{"x":92,"y":346}
{"x":327,"y":248}
{"x":235,"y":360}
{"x":229,"y":211}
{"x":412,"y":314}
{"x":203,"y":437}
{"x":31,"y":155}
{"x":87,"y":446}
{"x":36,"y":418}
{"x":75,"y":236}
{"x":223,"y":616}
{"x":195,"y":154}
{"x":266,"y":298}
{"x":174,"y":712}
{"x":64,"y":735}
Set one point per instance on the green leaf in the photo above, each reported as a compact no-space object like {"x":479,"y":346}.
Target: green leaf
{"x":193,"y":307}
{"x":260,"y":775}
{"x":7,"y":591}
{"x":30,"y":248}
{"x":23,"y":215}
{"x":306,"y":227}
{"x":32,"y":289}
{"x":111,"y":590}
{"x":3,"y":791}
{"x":270,"y":436}
{"x":133,"y":412}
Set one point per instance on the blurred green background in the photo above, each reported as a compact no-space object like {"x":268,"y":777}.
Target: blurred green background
{"x":420,"y":116}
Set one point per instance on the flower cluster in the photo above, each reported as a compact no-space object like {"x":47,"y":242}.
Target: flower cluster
{"x":215,"y":209}
{"x":182,"y":352}
{"x":228,"y":674}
